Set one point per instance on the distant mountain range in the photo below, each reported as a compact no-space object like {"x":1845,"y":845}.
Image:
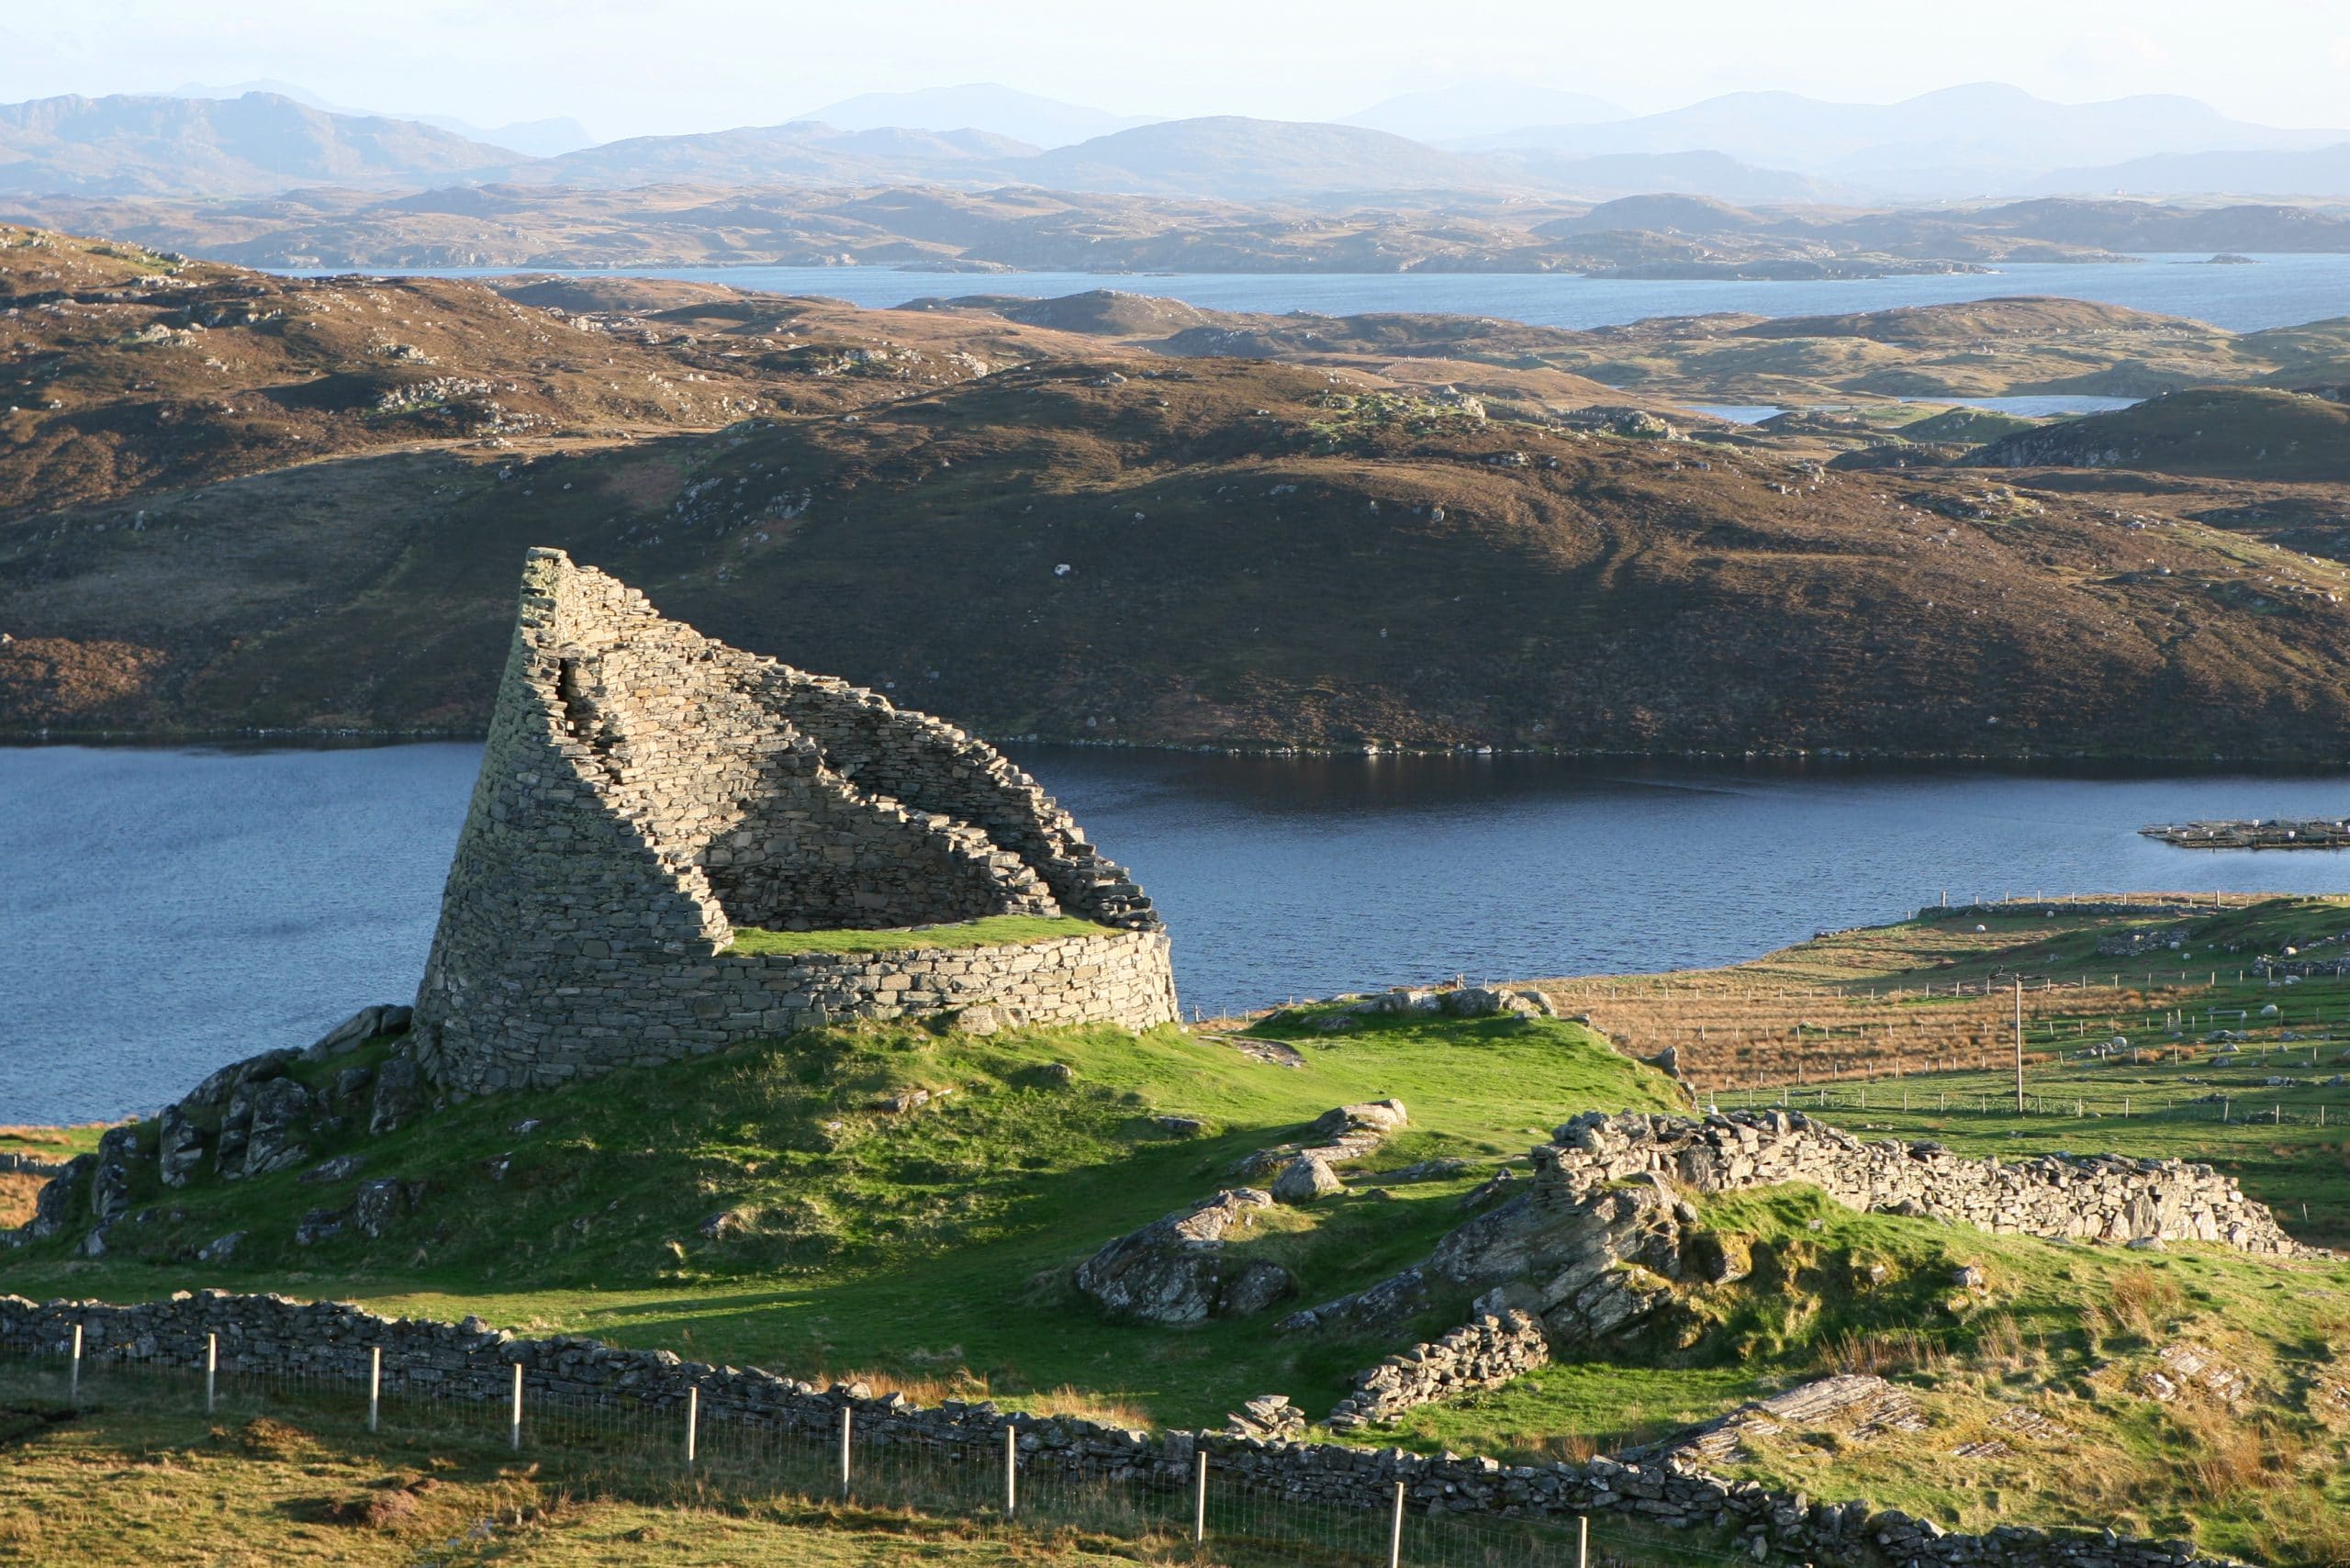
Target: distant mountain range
{"x":1985,"y":139}
{"x":1481,"y":109}
{"x":538,"y":138}
{"x":258,"y":143}
{"x":978,"y":105}
{"x":1747,"y":148}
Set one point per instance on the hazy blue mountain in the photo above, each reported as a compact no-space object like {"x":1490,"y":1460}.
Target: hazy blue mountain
{"x":1696,"y":176}
{"x":1481,"y":109}
{"x":538,"y":138}
{"x":1231,"y":155}
{"x":261,"y":142}
{"x":802,"y":152}
{"x":977,"y":106}
{"x":293,"y":90}
{"x":2322,"y":172}
{"x":1959,"y":141}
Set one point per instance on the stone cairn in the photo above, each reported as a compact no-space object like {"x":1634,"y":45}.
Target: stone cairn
{"x":647,"y":790}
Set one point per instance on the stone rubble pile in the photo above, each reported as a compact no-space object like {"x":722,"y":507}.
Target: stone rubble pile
{"x":1484,"y":1353}
{"x":470,"y":1360}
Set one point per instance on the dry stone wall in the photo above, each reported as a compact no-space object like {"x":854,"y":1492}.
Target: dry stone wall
{"x":2107,"y":1198}
{"x":645,"y":790}
{"x":1486,"y":1352}
{"x":473,"y":1360}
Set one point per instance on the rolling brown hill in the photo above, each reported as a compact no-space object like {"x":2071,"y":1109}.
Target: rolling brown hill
{"x":231,"y":500}
{"x":1224,"y":552}
{"x":2217,"y":433}
{"x":126,"y":370}
{"x":1978,"y":348}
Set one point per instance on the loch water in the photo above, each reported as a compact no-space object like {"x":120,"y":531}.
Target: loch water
{"x":164,"y":910}
{"x":2282,"y":290}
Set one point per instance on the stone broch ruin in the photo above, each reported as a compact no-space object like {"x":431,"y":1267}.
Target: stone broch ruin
{"x":645,"y":791}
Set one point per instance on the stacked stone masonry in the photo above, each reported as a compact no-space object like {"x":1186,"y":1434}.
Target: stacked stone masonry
{"x":1485,"y":1353}
{"x":327,"y":1340}
{"x":645,"y":791}
{"x":2106,"y":1198}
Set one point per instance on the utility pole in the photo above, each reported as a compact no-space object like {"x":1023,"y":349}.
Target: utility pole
{"x":2019,"y":1045}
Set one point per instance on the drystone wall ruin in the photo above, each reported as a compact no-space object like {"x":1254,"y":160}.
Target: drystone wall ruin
{"x":330,"y":1340}
{"x":645,"y":790}
{"x":1599,"y":1240}
{"x":2108,"y":1197}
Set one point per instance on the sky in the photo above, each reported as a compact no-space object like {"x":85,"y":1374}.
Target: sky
{"x":631,"y":67}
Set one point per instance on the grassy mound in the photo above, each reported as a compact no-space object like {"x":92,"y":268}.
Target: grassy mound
{"x":767,"y":1205}
{"x":2040,"y":1371}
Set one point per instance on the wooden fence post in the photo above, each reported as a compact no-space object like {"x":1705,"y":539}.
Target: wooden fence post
{"x":693,"y":1420}
{"x":514,"y":1418}
{"x":1396,"y":1533}
{"x":374,"y":1383}
{"x":212,"y":1373}
{"x":1200,"y":1500}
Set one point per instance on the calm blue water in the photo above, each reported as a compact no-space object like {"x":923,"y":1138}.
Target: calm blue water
{"x":2028,"y":408}
{"x":2282,"y":291}
{"x":2036,"y":408}
{"x":168,"y":911}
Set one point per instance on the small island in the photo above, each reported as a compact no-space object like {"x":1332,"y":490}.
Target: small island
{"x":2256,"y":833}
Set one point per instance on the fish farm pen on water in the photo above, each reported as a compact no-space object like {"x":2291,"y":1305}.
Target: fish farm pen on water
{"x":2260,"y":833}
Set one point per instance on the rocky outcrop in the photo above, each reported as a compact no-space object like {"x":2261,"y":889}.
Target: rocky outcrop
{"x":1340,"y":1136}
{"x":250,"y":1118}
{"x":1306,"y":1179}
{"x":62,"y":1199}
{"x":1856,"y":1406}
{"x":1179,"y":1269}
{"x":1595,"y":1243}
{"x":1586,"y":1268}
{"x":1484,"y":1353}
{"x":399,"y":1095}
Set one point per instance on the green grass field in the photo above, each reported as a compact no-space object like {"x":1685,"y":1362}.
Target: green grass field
{"x":931,"y":1249}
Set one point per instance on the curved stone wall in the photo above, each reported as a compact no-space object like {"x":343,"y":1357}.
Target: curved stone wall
{"x":645,"y":790}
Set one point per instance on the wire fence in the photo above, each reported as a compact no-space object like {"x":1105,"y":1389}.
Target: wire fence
{"x":685,"y":1450}
{"x":2255,"y":1105}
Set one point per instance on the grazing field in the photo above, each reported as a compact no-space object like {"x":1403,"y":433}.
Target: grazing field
{"x":795,"y":1205}
{"x":1940,"y":994}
